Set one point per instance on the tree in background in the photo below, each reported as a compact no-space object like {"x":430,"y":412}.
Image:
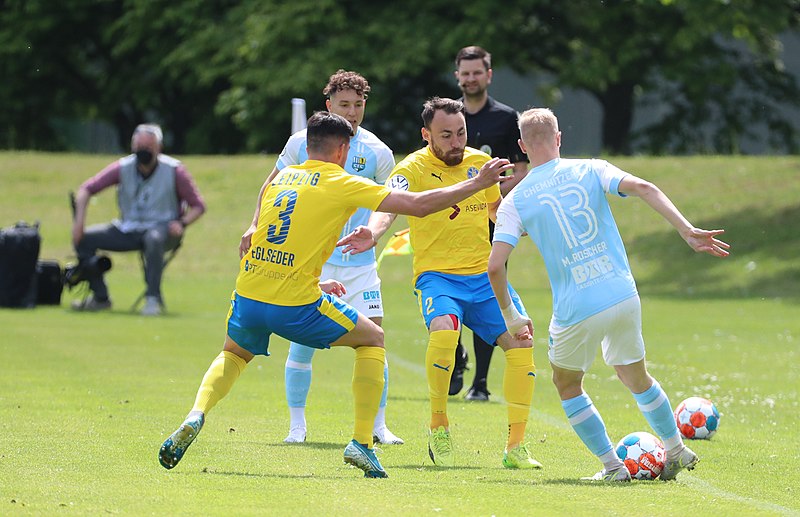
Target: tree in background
{"x":219,"y":74}
{"x":118,"y":62}
{"x":289,"y":49}
{"x":714,"y":65}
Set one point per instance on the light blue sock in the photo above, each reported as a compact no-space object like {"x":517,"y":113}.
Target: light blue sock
{"x":654,"y":405}
{"x":584,"y":418}
{"x":385,"y":383}
{"x":298,"y":374}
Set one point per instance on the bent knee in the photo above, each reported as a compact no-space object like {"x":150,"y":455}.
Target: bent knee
{"x":508,"y":342}
{"x":375,"y":337}
{"x":445,"y":322}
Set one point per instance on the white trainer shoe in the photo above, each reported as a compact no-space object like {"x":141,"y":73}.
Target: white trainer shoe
{"x":296,"y":435}
{"x":384,"y":436}
{"x":620,"y":475}
{"x":687,"y":459}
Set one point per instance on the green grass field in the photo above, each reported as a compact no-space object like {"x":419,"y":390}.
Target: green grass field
{"x":87,"y":399}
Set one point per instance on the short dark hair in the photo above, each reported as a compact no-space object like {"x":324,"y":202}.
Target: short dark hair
{"x":474,"y":52}
{"x":344,"y":80}
{"x":434,"y":104}
{"x":326,"y":130}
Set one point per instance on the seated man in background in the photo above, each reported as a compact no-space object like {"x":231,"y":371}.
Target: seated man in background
{"x":151,"y":191}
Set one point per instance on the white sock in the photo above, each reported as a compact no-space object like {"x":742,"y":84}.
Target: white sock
{"x":380,"y":418}
{"x":674,"y":446}
{"x":674,"y":442}
{"x":611,"y":461}
{"x":297,"y":417}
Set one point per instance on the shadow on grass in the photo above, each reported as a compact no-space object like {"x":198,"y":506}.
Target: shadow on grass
{"x":315,"y":445}
{"x":752,"y":233}
{"x":266,"y":475}
{"x":565,"y":482}
{"x":430,"y":468}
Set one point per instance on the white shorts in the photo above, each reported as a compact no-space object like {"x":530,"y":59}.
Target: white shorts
{"x":362,"y":285}
{"x":618,"y":329}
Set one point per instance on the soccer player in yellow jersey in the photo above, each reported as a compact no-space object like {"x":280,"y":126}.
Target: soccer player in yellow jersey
{"x":278,"y":290}
{"x":451,"y":253}
{"x":370,"y":158}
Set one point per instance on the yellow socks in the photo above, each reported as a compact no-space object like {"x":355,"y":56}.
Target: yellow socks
{"x":518,"y":382}
{"x":218,"y":380}
{"x":439,"y":361}
{"x":367,"y":390}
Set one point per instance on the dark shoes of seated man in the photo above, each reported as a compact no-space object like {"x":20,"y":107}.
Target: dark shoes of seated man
{"x":152,"y":305}
{"x":91,"y":304}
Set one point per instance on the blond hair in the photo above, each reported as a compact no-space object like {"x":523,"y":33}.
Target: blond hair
{"x":538,"y":126}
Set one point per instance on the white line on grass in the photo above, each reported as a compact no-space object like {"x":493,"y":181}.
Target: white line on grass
{"x":705,"y":486}
{"x":691,"y":480}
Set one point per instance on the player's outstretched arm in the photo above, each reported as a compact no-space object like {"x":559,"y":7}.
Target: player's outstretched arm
{"x":702,"y":241}
{"x":358,"y":241}
{"x":247,"y":236}
{"x":364,"y":238}
{"x":518,"y":325}
{"x":705,"y":241}
{"x":420,"y":204}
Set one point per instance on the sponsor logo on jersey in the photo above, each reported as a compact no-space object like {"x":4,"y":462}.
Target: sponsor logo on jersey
{"x":437,"y":176}
{"x":472,"y":172}
{"x":455,"y":212}
{"x":359,"y":163}
{"x":371,"y":295}
{"x":399,"y":182}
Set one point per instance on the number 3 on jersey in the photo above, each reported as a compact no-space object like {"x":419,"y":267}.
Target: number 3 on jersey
{"x":277,"y":235}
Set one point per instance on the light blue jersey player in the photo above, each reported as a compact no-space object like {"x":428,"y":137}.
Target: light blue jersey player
{"x":369,"y":157}
{"x":562,"y":205}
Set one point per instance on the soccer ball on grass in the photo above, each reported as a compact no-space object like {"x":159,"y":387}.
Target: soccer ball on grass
{"x":643,"y":455}
{"x":697,"y":418}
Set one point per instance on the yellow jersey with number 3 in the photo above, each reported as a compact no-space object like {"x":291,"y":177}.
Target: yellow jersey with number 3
{"x":302,"y":214}
{"x":454,"y":240}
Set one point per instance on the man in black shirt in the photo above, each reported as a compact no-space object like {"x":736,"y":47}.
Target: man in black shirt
{"x":492,"y":128}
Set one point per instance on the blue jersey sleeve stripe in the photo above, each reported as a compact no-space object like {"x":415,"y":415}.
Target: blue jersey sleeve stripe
{"x":613,"y":187}
{"x":507,"y":238}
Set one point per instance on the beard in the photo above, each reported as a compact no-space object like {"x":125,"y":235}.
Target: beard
{"x":450,"y":158}
{"x":474,"y":91}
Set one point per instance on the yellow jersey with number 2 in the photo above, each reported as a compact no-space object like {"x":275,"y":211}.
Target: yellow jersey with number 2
{"x":454,"y":240}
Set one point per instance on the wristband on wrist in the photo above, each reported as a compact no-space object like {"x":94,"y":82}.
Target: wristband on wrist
{"x":510,"y":314}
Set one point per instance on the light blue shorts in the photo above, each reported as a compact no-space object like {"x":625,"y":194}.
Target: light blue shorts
{"x":318,"y":324}
{"x":469,"y":297}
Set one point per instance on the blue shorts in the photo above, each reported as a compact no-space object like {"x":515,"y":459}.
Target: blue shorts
{"x":318,"y":324}
{"x":469,"y":297}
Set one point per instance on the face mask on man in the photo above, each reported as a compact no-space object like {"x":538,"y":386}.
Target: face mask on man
{"x":144,"y":157}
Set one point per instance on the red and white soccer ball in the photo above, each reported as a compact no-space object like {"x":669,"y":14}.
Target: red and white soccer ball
{"x":697,"y":418}
{"x":643,"y":455}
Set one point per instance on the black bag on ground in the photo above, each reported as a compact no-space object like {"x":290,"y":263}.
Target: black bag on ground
{"x":49,"y":282}
{"x":19,"y":252}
